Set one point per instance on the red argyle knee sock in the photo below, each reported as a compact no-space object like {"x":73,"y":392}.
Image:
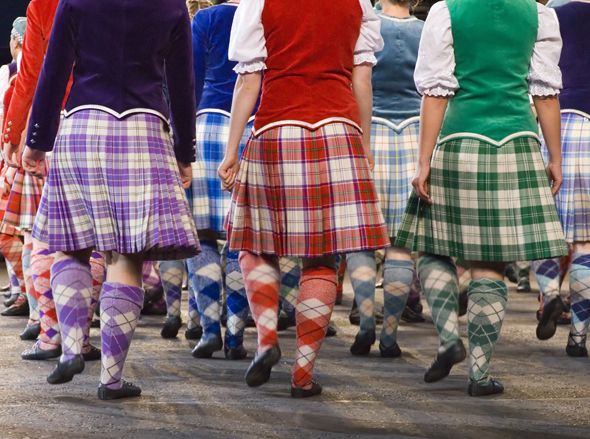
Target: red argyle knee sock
{"x":317,"y":294}
{"x":11,"y":248}
{"x":41,"y":261}
{"x":262,"y":281}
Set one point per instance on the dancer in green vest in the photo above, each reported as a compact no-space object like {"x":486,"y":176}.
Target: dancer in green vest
{"x":481,"y":192}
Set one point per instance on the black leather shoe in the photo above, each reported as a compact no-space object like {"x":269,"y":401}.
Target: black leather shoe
{"x":65,"y":370}
{"x":391,"y":351}
{"x":362,"y":343}
{"x":285,"y":321}
{"x":31,"y":332}
{"x":207,"y":345}
{"x":444,"y":362}
{"x":17,"y":310}
{"x":10,"y":301}
{"x":548,"y":322}
{"x":95,"y":323}
{"x":194,"y":333}
{"x":463,"y":302}
{"x":93,"y":354}
{"x":258,"y":372}
{"x":37,"y":354}
{"x":128,"y":390}
{"x":237,"y":353}
{"x":413,"y":313}
{"x":331,"y":331}
{"x":524,"y":285}
{"x":171,"y":327}
{"x":298,"y":392}
{"x":511,"y":274}
{"x":492,"y":387}
{"x":576,"y":351}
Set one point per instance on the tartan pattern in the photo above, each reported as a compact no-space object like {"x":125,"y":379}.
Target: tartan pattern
{"x":23,"y":201}
{"x":209,"y":203}
{"x":113,"y":185}
{"x":489,"y":204}
{"x":396,"y":155}
{"x":305,"y":193}
{"x":573,"y":199}
{"x":580,"y":289}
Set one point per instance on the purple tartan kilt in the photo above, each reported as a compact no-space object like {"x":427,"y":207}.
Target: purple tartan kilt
{"x":113,"y":185}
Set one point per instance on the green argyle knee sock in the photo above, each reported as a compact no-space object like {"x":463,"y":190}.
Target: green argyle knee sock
{"x":438,"y":276}
{"x":485,"y":314}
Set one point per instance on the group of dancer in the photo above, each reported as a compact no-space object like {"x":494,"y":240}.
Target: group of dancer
{"x":322,"y":136}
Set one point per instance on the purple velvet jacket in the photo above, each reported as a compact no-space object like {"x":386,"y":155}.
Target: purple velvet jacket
{"x":120,"y":52}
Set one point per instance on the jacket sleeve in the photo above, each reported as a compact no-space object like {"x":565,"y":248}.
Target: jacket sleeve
{"x":34,"y":47}
{"x":180,"y":78}
{"x":199,"y":53}
{"x":53,"y":81}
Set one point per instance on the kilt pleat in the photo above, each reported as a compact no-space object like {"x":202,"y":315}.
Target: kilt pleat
{"x":489,"y":203}
{"x":113,"y":185}
{"x":573,"y":200}
{"x":209,"y":203}
{"x":395,"y":154}
{"x":305,"y":193}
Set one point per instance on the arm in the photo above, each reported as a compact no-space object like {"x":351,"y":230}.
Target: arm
{"x":199,"y":54}
{"x":363,"y":92}
{"x":550,"y":121}
{"x":244,"y":100}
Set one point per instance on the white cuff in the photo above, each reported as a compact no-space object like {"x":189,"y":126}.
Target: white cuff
{"x":365,"y":58}
{"x":439,"y":92}
{"x":543,"y":90}
{"x":249,"y":67}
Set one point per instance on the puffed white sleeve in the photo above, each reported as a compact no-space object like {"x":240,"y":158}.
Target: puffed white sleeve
{"x":370,"y":39}
{"x":247,"y":45}
{"x":435,"y":68}
{"x":544,"y":72}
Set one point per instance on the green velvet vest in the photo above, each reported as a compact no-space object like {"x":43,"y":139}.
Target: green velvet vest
{"x":493,"y":43}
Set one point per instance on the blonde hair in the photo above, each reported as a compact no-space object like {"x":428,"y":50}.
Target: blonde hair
{"x":194,"y":6}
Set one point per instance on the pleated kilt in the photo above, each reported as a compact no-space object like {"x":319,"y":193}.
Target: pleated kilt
{"x":573,"y":200}
{"x":114,"y":185}
{"x":489,"y":204}
{"x":209,"y":203}
{"x":395,"y":150}
{"x":23,"y":202}
{"x":305,"y":193}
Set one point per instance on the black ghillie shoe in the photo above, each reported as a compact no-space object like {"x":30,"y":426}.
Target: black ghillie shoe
{"x":548,"y":322}
{"x":524,"y":285}
{"x":463,"y":302}
{"x":362,"y":343}
{"x":31,"y":332}
{"x":171,"y":327}
{"x":194,"y":333}
{"x":492,"y":387}
{"x":298,"y":392}
{"x":17,"y":310}
{"x":10,"y":301}
{"x":93,"y":354}
{"x":258,"y":372}
{"x":237,"y":353}
{"x":331,"y":331}
{"x":65,"y":370}
{"x":37,"y":354}
{"x":444,"y":362}
{"x":207,"y":345}
{"x":390,"y":351}
{"x":575,"y":349}
{"x":128,"y":390}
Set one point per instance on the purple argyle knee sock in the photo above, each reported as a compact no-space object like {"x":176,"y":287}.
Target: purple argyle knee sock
{"x":120,"y":306}
{"x":71,"y":282}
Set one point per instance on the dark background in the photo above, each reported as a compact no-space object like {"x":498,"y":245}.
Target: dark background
{"x":9,"y":10}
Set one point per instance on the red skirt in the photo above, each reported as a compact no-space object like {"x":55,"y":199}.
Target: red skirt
{"x":305,"y":193}
{"x":23,"y":201}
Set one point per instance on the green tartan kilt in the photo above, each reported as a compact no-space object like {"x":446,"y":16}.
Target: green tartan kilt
{"x":489,"y":203}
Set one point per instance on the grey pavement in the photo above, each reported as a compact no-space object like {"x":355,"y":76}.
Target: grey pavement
{"x":547,"y":393}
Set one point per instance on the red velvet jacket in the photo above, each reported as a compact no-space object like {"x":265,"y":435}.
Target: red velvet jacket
{"x":40,"y":14}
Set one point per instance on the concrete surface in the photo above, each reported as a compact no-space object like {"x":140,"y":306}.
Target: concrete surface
{"x":547,"y":393}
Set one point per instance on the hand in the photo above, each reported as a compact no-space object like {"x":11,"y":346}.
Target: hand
{"x":228,"y":171}
{"x":555,"y":176}
{"x":420,"y":182}
{"x":186,"y":174}
{"x":11,"y":155}
{"x":34,"y":162}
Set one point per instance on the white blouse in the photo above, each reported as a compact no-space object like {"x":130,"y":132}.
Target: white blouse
{"x":247,"y":44}
{"x":435,"y":68}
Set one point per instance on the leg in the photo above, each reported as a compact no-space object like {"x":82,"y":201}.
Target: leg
{"x":488,"y":296}
{"x":172,"y":273}
{"x":524,"y":283}
{"x":208,"y":282}
{"x":290,"y":276}
{"x":120,"y":306}
{"x":237,"y":307}
{"x":548,"y":273}
{"x":362,"y":269}
{"x":71,"y":283}
{"x":98,"y":272}
{"x":438,"y":277}
{"x":398,"y":275}
{"x":24,"y":304}
{"x":262,"y":280}
{"x":580,"y":293}
{"x":317,"y":296}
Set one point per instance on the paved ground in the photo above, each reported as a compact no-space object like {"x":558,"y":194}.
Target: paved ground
{"x":548,"y":394}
